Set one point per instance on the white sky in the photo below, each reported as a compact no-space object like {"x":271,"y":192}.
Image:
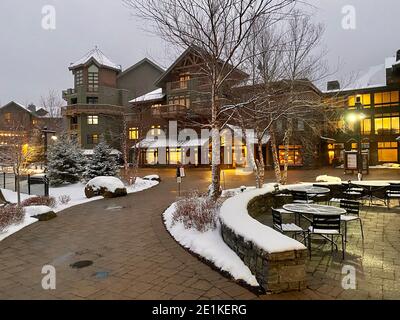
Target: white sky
{"x":34,"y":60}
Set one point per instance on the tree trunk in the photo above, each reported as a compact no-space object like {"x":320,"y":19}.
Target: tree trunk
{"x":277,"y":165}
{"x":288,"y":135}
{"x":261,"y":164}
{"x":216,"y":160}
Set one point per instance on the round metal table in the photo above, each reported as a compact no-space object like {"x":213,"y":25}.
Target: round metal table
{"x":312,"y":209}
{"x":311,"y":190}
{"x":372,"y":188}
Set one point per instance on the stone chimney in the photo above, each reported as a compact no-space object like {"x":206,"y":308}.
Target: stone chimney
{"x":32,"y":108}
{"x":333,"y":85}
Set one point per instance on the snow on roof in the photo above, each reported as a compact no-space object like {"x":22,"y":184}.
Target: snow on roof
{"x":18,"y":104}
{"x":372,"y":77}
{"x":153,"y":95}
{"x":235,"y":216}
{"x":99,"y":57}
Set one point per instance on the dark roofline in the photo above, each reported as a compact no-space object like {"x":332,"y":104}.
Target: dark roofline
{"x":177,"y":61}
{"x":136,"y":65}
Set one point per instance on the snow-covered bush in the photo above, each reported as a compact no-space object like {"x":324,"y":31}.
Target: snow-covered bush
{"x":197,"y":212}
{"x":9,"y":215}
{"x":39,"y":201}
{"x":65,"y":162}
{"x":64,"y":199}
{"x":328,"y":179}
{"x":108,"y":187}
{"x":102,"y":164}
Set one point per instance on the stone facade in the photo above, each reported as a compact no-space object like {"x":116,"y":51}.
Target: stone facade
{"x":275,"y":272}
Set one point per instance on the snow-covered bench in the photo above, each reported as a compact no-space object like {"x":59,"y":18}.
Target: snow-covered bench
{"x":277,"y":261}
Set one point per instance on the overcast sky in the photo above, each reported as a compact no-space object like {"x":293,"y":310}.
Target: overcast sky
{"x":34,"y":60}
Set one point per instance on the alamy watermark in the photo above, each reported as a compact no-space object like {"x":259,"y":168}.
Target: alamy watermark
{"x":49,"y":17}
{"x":228,"y":146}
{"x":49,"y":280}
{"x":349,"y":20}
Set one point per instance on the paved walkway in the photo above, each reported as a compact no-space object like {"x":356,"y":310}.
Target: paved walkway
{"x":133,"y":255}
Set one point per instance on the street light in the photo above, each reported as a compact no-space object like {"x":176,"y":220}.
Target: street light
{"x":356,"y":117}
{"x":45,"y":132}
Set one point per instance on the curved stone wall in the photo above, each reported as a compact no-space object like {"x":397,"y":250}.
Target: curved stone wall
{"x":277,"y":261}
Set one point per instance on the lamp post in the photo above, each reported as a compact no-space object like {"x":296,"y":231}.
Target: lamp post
{"x":45,"y":133}
{"x":356,"y":117}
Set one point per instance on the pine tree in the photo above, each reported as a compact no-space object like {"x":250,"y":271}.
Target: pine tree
{"x":66,"y":163}
{"x":102,"y":164}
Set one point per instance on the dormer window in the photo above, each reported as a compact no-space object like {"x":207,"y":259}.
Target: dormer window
{"x":7,"y":117}
{"x":93,"y":78}
{"x":78,"y":78}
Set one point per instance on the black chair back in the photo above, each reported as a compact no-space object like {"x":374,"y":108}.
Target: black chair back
{"x":299,"y":195}
{"x":393,"y":189}
{"x":326,"y":222}
{"x":352,"y":207}
{"x":277,"y":219}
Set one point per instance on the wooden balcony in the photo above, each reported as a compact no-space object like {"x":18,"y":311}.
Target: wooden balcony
{"x":77,"y":109}
{"x":169,"y":111}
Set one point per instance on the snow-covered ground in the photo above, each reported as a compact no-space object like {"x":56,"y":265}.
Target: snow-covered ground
{"x":210,"y":246}
{"x":74,"y":191}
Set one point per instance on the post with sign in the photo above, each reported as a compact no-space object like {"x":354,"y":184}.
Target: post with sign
{"x":180,"y":174}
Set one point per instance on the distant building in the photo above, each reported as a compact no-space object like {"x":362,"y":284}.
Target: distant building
{"x":99,"y":100}
{"x":378,"y":91}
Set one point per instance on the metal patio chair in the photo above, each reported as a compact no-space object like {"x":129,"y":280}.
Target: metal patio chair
{"x":353,"y":214}
{"x":328,"y":227}
{"x":287,"y":228}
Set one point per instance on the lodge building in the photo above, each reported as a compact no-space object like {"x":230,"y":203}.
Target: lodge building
{"x":147,"y":98}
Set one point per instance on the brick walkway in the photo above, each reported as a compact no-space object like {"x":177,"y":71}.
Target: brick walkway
{"x":135,"y":258}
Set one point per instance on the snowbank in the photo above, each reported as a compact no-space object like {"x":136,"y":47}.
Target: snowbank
{"x":210,"y":246}
{"x":33,"y":211}
{"x":28,"y":220}
{"x":327,"y":178}
{"x":235,"y":216}
{"x":110,"y":183}
{"x":11,"y":196}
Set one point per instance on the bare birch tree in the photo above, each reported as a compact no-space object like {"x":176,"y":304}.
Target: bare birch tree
{"x":218,"y":31}
{"x":52,"y":103}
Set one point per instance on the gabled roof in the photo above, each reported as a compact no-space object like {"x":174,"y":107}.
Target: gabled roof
{"x":177,"y":61}
{"x":151,"y":96}
{"x":18,"y":105}
{"x":141,"y":62}
{"x":97,"y":56}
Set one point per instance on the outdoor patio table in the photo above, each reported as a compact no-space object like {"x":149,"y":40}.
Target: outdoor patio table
{"x":311,"y":190}
{"x":311,"y":209}
{"x":371,"y":187}
{"x":303,"y":209}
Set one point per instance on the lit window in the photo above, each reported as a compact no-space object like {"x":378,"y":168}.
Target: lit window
{"x":93,"y":139}
{"x":295,"y":157}
{"x":366,"y":126}
{"x":7,"y":117}
{"x":385,"y":99}
{"x":155,"y":130}
{"x":387,"y":124}
{"x":388,"y":152}
{"x":133,"y":133}
{"x":93,"y":120}
{"x":365,"y":100}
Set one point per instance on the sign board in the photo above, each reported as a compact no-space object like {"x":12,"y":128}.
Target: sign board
{"x":351,"y":161}
{"x":179,"y":180}
{"x":182,"y":172}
